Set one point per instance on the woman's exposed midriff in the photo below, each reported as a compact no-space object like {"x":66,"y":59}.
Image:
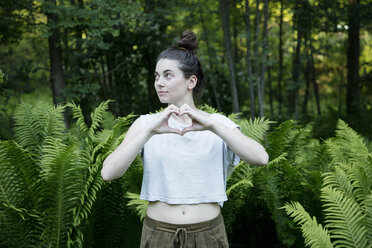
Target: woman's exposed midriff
{"x":182,"y":213}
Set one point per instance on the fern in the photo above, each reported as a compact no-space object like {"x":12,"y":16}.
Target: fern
{"x":47,"y":195}
{"x":139,"y":205}
{"x":96,"y":117}
{"x":34,"y":124}
{"x":367,"y":209}
{"x":208,"y":109}
{"x":338,"y":179}
{"x":278,"y":138}
{"x":18,"y":196}
{"x":61,"y":176}
{"x":344,"y":219}
{"x":255,"y":129}
{"x":241,"y":176}
{"x":97,"y":146}
{"x":315,"y":235}
{"x":347,"y":146}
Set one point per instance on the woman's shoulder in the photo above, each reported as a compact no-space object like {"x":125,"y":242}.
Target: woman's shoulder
{"x":150,"y":115}
{"x":147,"y":118}
{"x":219,"y":117}
{"x":224,"y":120}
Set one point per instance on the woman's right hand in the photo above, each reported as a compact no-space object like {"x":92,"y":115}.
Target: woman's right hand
{"x":160,"y":124}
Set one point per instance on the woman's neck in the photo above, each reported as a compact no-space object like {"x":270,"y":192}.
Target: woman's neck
{"x":181,"y":103}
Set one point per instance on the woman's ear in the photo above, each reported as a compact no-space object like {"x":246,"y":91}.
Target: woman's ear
{"x":192,"y":82}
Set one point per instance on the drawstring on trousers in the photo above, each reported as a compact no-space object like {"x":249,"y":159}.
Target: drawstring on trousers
{"x":181,"y":236}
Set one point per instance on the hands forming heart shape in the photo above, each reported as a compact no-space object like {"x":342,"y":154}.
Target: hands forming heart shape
{"x":197,"y":121}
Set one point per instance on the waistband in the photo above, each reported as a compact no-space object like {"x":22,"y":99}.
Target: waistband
{"x":190,"y":228}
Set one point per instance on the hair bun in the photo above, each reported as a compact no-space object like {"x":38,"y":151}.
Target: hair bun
{"x":188,"y":41}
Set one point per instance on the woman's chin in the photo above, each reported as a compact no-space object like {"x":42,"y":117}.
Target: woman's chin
{"x":162,"y":100}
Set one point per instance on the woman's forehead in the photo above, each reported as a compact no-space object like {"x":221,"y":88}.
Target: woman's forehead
{"x":167,"y":64}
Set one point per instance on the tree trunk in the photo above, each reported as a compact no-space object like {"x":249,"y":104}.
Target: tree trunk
{"x":249,"y":59}
{"x":256,"y":61}
{"x":271,"y":93}
{"x":55,"y":56}
{"x":210,"y":56}
{"x":104,"y":78}
{"x":264,"y":59}
{"x":353,"y":52}
{"x":296,"y":68}
{"x":313,"y":80}
{"x":280,"y":75}
{"x":307,"y":89}
{"x":224,"y":7}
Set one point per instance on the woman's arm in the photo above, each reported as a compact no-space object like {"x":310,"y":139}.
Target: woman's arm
{"x":246,"y":148}
{"x":117,"y":163}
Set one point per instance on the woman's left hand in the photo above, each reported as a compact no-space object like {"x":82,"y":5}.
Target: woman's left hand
{"x":200,"y":120}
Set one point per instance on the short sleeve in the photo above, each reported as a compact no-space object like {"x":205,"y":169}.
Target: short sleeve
{"x":143,"y":124}
{"x":230,"y":158}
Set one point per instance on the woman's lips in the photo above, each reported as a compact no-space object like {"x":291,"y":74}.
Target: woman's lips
{"x":162,"y":92}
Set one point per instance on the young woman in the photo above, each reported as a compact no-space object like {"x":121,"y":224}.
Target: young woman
{"x":186,"y":156}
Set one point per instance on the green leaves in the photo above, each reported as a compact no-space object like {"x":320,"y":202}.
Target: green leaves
{"x":346,"y":194}
{"x":315,"y":235}
{"x":50,"y":180}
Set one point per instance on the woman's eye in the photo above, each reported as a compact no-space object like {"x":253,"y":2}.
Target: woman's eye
{"x":168,"y":76}
{"x":156,"y":77}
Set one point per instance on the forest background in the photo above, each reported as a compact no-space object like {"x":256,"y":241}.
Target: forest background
{"x":303,"y":60}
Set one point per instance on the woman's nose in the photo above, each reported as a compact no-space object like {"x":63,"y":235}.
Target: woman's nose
{"x":160,"y":81}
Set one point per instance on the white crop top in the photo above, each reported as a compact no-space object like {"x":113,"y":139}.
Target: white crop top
{"x":188,"y":169}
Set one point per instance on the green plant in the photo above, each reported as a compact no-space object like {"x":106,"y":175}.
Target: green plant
{"x":50,"y":176}
{"x":346,"y":195}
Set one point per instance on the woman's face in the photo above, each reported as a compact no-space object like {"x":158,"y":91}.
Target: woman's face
{"x":170,"y":84}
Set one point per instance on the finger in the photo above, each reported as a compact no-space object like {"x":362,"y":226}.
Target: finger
{"x":173,"y":130}
{"x":173,"y":108}
{"x":187,"y":129}
{"x":187,"y":111}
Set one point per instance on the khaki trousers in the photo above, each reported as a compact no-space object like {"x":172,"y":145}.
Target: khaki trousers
{"x":207,"y":234}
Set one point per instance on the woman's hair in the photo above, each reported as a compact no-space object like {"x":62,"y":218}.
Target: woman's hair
{"x":184,"y":52}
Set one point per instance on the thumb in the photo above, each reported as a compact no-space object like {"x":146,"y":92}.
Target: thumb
{"x":173,"y":130}
{"x":187,"y":129}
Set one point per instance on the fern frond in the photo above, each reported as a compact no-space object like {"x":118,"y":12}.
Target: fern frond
{"x":277,"y":160}
{"x":367,"y":209}
{"x":61,"y":176}
{"x":54,"y":124}
{"x":18,"y":175}
{"x":28,"y":127}
{"x":255,"y":129}
{"x":347,"y":134}
{"x":316,"y":236}
{"x":240,"y":176}
{"x":140,"y":206}
{"x":209,"y":109}
{"x":97,"y":117}
{"x":78,"y":115}
{"x":122,"y":124}
{"x":278,"y":138}
{"x":243,"y":182}
{"x":339,"y":180}
{"x":33,"y":124}
{"x":19,"y":227}
{"x":359,"y":178}
{"x":344,"y":219}
{"x":301,"y":147}
{"x":347,"y":146}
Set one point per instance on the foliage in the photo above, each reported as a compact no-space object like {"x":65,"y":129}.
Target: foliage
{"x":345,"y":193}
{"x":52,"y":193}
{"x":50,"y":178}
{"x":315,"y":235}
